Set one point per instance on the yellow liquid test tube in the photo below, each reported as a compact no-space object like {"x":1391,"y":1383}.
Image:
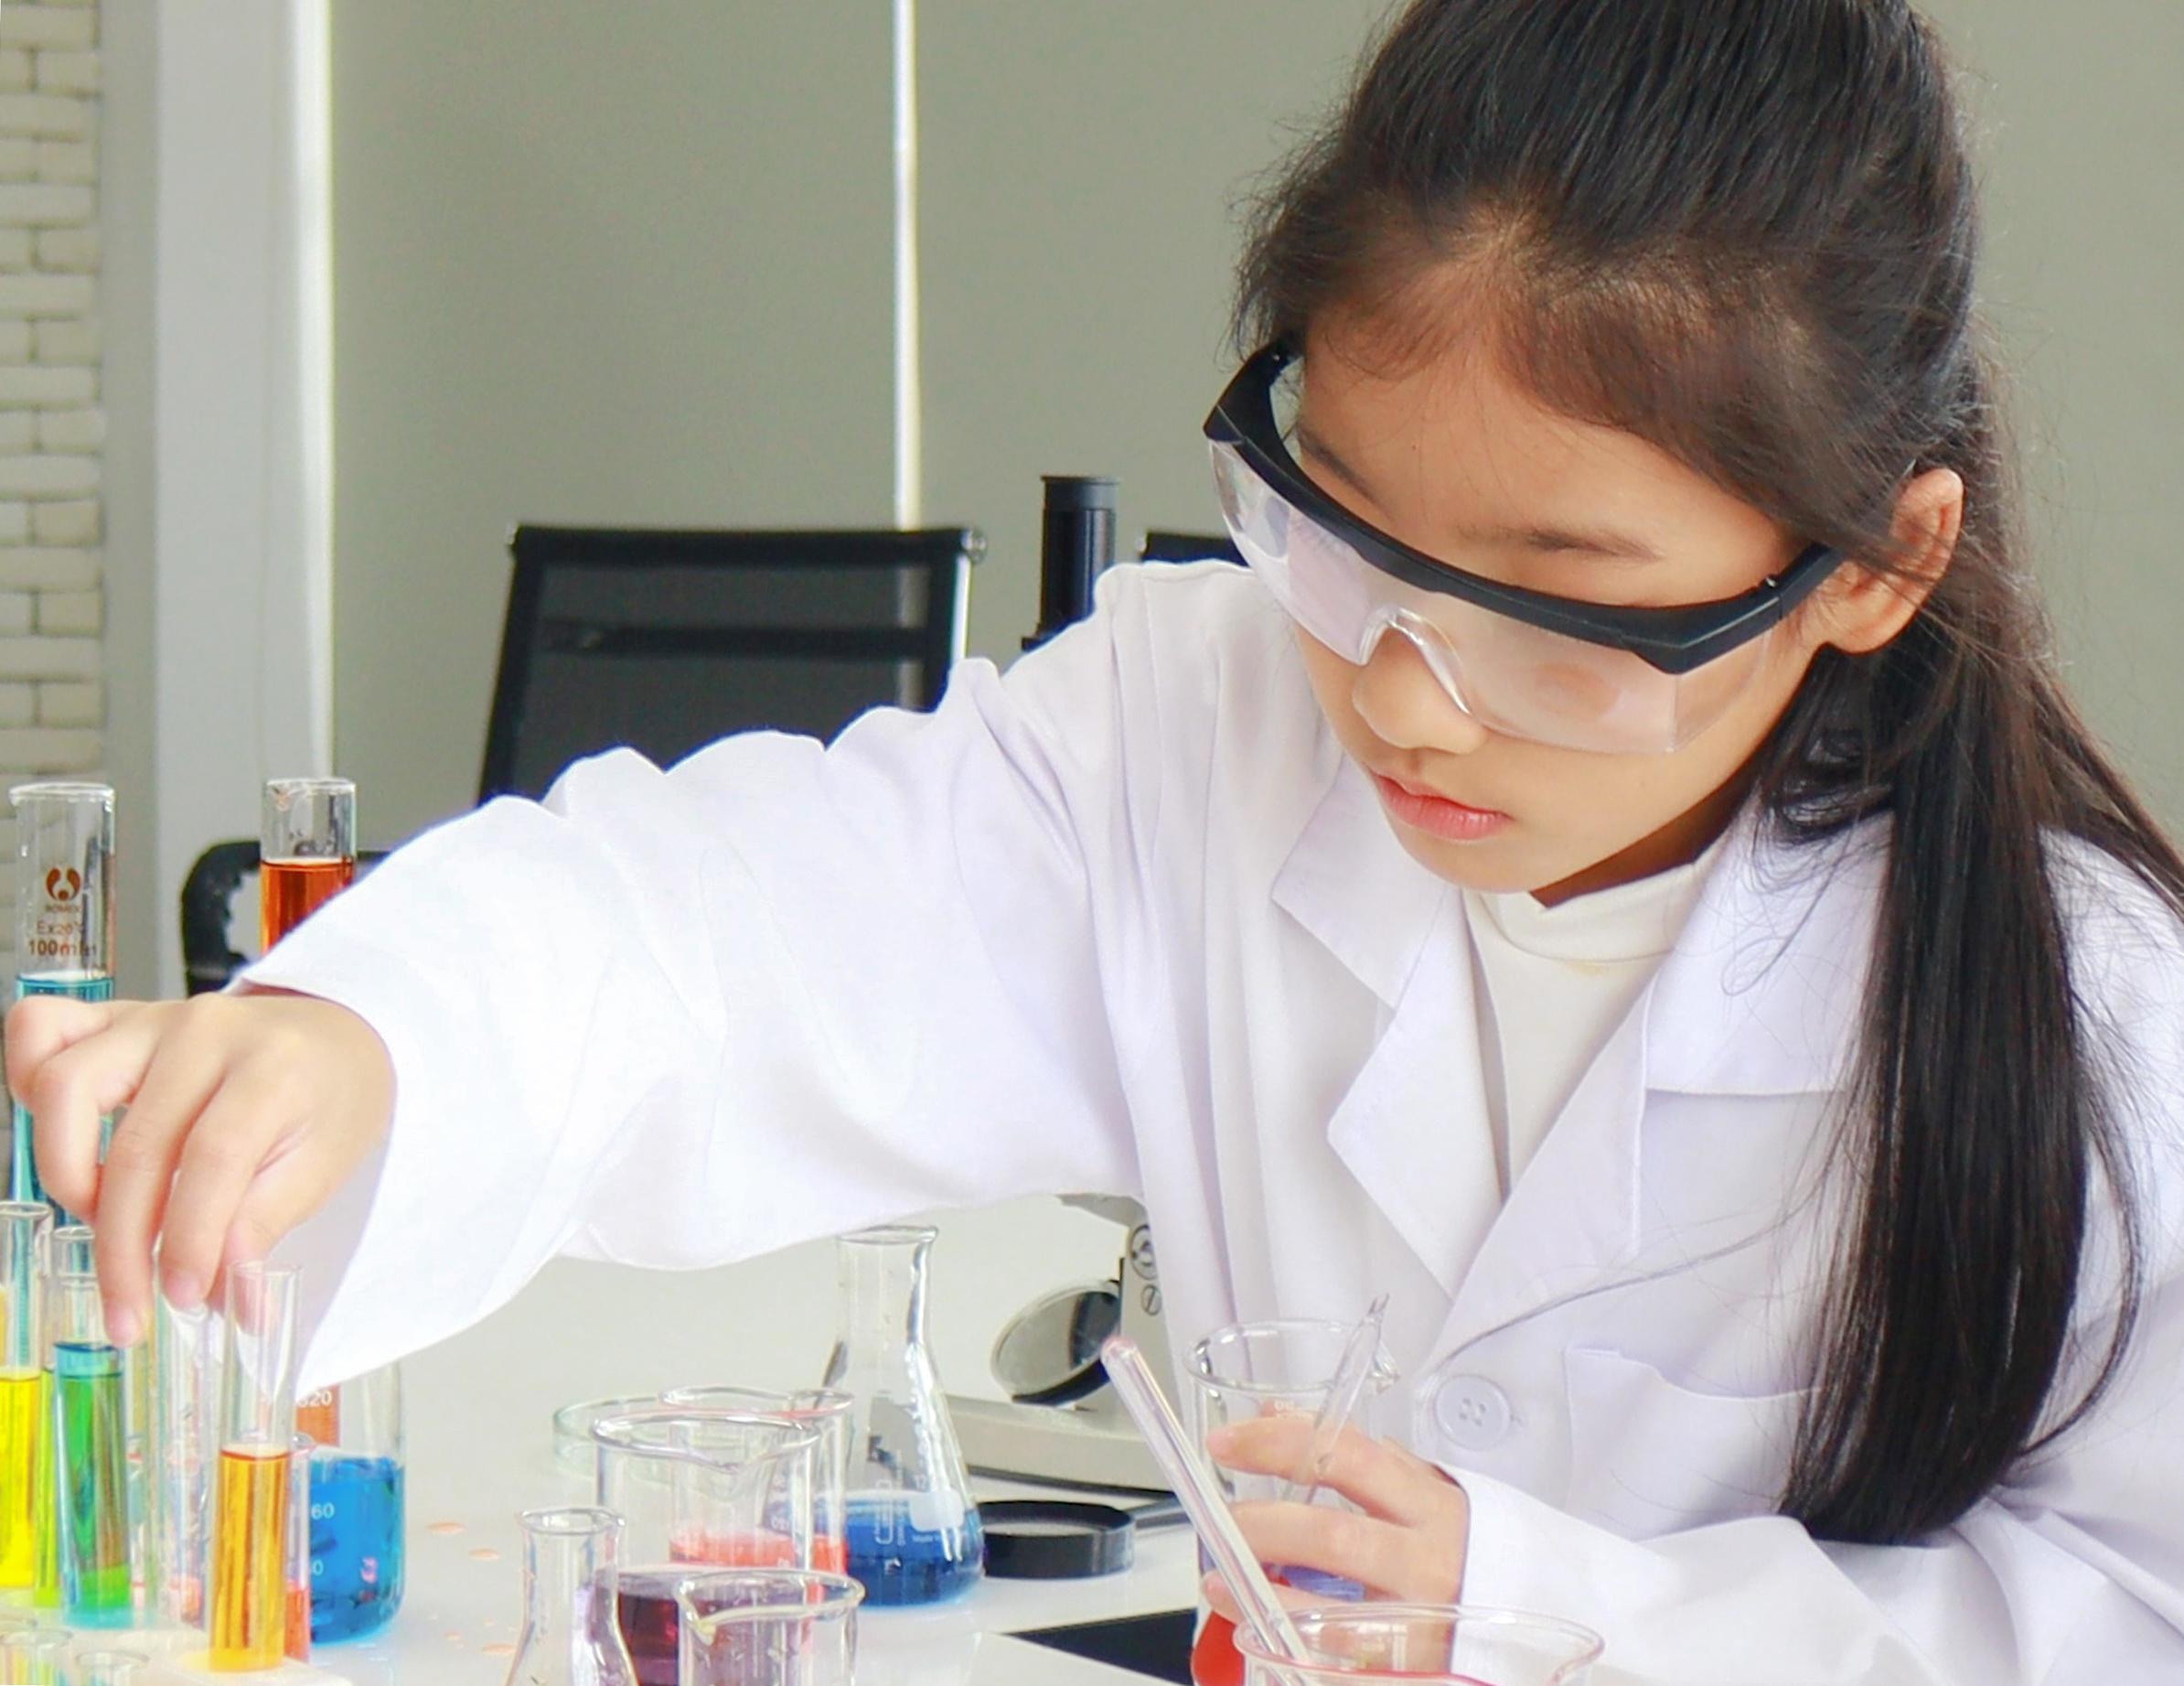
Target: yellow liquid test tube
{"x":249,"y":1570}
{"x":29,"y":1553}
{"x":251,"y":1524}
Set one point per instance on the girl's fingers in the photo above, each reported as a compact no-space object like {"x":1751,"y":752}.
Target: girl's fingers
{"x":81,"y":1063}
{"x":1224,"y":1601}
{"x":184,"y":1074}
{"x":1376,"y":1476}
{"x":291,"y":1184}
{"x":219,"y":1162}
{"x":1388,"y":1558}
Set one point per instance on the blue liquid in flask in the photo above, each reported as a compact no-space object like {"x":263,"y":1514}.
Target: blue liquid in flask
{"x":901,"y":1558}
{"x":356,"y":1545}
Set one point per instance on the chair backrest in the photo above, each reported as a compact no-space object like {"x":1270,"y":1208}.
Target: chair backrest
{"x":666,"y":640}
{"x":219,"y":925}
{"x":1161,"y":546}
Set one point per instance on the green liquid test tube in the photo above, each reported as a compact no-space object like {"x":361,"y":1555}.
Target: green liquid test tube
{"x":64,"y":916}
{"x":91,"y":1426}
{"x":25,"y":1407}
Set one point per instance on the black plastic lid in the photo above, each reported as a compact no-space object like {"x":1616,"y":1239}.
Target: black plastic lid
{"x":1054,"y":1539}
{"x":1079,"y":492}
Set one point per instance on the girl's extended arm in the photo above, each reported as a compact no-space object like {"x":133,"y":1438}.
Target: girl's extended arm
{"x":670,"y":1018}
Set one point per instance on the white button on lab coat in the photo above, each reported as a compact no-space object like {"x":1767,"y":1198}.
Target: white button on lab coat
{"x":1126,"y":919}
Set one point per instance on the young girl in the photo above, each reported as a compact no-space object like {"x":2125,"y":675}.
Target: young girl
{"x":1616,"y":873}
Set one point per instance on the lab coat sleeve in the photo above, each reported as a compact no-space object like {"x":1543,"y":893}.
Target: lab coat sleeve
{"x":2071,"y":1573}
{"x":682,"y":1018}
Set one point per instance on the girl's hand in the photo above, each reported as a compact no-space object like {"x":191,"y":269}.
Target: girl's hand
{"x":1410,"y":1545}
{"x":245,"y":1113}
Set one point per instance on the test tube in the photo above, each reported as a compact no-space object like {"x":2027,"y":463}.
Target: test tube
{"x":251,"y":1520}
{"x":25,"y":1405}
{"x":306,"y":849}
{"x":296,"y":1568}
{"x":64,"y":914}
{"x":186,"y":1348}
{"x":91,"y":1425}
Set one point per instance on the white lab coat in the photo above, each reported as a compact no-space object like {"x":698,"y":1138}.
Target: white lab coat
{"x":1126,"y":918}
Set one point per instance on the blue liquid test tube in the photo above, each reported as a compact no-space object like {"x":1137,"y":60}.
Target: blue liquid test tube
{"x":64,"y":917}
{"x":91,"y":1425}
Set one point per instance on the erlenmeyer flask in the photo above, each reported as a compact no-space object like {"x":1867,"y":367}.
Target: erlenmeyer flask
{"x":570,"y":1636}
{"x":720,"y":1488}
{"x":913,"y":1529}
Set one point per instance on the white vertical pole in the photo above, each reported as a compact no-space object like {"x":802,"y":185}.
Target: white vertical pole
{"x":241,"y":410}
{"x":909,"y":468}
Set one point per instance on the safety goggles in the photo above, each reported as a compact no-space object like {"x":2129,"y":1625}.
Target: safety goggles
{"x":1559,"y":671}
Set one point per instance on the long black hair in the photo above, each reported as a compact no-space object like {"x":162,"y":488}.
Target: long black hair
{"x":1746,"y":231}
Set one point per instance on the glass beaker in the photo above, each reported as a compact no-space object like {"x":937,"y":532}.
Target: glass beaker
{"x":571,"y":1634}
{"x":767,"y":1627}
{"x":827,"y":1415}
{"x":572,"y":1446}
{"x":25,"y":1397}
{"x":721,"y":1489}
{"x":1245,"y":1370}
{"x":114,"y":1668}
{"x":913,"y":1533}
{"x":356,"y":1504}
{"x":64,"y":917}
{"x":1427,"y":1645}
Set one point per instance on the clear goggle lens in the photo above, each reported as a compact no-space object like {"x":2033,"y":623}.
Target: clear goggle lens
{"x":1513,"y":678}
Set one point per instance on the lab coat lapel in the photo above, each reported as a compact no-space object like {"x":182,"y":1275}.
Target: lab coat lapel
{"x":1412,"y":1127}
{"x":1759,"y":997}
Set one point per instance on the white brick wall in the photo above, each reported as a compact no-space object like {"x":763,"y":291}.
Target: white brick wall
{"x":52,"y":428}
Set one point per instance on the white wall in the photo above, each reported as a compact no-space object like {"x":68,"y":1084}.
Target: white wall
{"x":605,"y":263}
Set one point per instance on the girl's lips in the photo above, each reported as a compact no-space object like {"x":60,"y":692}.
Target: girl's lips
{"x":1437,"y":815}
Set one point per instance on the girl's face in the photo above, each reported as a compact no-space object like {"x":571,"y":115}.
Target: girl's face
{"x":1448,"y":456}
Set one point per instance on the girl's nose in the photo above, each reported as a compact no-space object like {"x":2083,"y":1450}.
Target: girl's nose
{"x":1397,"y":696}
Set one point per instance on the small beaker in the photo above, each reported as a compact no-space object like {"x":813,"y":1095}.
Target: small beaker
{"x":1426,"y":1645}
{"x":574,"y":1449}
{"x":696,"y":1489}
{"x":571,"y":1634}
{"x":35,"y":1657}
{"x":109,"y":1667}
{"x":913,"y":1534}
{"x":1245,"y":1370}
{"x":828,"y":1415}
{"x":767,"y":1627}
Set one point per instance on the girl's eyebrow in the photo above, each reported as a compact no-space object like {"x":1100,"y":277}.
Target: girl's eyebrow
{"x":1596,"y":541}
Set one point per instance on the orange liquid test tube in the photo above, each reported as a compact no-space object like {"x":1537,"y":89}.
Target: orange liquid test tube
{"x":252,"y":1522}
{"x":249,"y":1570}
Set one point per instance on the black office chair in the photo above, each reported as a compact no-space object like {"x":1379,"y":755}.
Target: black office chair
{"x":210,"y":913}
{"x":665,"y":641}
{"x":1161,"y":546}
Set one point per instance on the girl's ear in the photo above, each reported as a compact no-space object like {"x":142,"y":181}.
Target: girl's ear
{"x":1866,"y":607}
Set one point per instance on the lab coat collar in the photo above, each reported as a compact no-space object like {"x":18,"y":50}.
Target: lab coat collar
{"x":1349,"y":881}
{"x":1761,"y":995}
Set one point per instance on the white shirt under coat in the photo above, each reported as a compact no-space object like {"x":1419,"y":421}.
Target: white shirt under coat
{"x":1126,"y":919}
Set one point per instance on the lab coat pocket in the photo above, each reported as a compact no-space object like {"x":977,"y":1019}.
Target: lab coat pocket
{"x":1649,"y":1457}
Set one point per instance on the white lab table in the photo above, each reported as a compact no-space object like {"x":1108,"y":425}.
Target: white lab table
{"x":480,"y":1450}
